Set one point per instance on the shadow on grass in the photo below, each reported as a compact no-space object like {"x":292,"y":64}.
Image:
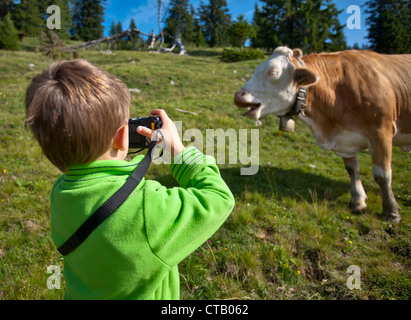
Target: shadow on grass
{"x":279,"y":183}
{"x":290,"y":183}
{"x":203,"y":53}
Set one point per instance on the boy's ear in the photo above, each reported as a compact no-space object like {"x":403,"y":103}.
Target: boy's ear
{"x":121,"y":138}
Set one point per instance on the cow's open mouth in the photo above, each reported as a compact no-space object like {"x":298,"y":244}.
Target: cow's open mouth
{"x":254,"y":111}
{"x":243,"y":99}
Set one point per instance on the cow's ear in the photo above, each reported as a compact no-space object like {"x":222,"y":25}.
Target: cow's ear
{"x":305,"y":77}
{"x":297,"y":53}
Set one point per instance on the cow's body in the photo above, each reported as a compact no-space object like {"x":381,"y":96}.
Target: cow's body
{"x":355,"y":100}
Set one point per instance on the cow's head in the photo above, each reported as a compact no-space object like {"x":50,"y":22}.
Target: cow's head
{"x":273,"y":87}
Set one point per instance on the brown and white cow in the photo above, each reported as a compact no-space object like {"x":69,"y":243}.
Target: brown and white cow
{"x":354,"y":100}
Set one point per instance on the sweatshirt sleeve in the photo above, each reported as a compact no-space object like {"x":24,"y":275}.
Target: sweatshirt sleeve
{"x":178,"y":220}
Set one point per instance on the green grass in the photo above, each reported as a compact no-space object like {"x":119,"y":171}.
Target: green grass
{"x":290,"y":235}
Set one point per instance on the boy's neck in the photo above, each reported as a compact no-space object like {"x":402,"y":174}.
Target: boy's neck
{"x":113,"y":154}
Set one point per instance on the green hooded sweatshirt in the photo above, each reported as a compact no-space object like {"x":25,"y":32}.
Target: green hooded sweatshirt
{"x":134,"y":253}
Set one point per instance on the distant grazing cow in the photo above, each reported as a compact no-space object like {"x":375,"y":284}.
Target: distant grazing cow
{"x":351,"y":101}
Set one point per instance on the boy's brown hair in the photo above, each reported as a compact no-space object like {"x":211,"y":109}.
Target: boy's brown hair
{"x":74,"y":110}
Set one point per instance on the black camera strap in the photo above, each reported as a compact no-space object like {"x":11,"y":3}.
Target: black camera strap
{"x":110,"y":206}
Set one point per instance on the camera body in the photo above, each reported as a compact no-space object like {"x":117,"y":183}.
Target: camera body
{"x":137,"y":140}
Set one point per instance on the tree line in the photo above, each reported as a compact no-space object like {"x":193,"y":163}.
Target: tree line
{"x":80,"y":19}
{"x":312,"y":25}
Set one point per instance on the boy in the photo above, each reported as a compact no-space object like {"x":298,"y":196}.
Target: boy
{"x":79,"y":115}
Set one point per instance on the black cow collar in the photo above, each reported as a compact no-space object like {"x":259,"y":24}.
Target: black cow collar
{"x":300,"y":101}
{"x":299,"y":104}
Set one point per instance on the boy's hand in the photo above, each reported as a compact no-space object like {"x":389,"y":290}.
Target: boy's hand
{"x":171,"y":138}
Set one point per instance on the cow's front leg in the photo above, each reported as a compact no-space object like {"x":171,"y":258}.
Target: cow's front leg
{"x":381,"y":169}
{"x":358,"y":195}
{"x":389,"y":205}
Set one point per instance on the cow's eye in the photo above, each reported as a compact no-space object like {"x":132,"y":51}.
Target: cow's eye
{"x":273,"y":73}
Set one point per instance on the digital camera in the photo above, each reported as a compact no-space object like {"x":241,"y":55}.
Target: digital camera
{"x":137,"y":140}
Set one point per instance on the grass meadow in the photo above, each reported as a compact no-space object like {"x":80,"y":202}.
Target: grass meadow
{"x":290,"y":235}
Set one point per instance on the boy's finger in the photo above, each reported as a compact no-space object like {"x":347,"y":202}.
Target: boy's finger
{"x":157,"y":111}
{"x":144,"y":131}
{"x":160,"y":112}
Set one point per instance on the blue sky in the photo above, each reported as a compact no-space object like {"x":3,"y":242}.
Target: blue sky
{"x":145,"y":14}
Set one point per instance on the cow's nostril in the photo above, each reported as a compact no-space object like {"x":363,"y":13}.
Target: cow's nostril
{"x":241,"y":100}
{"x":240,"y":94}
{"x":239,"y":97}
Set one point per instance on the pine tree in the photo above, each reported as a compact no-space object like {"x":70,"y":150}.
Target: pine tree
{"x":5,"y":7}
{"x":135,"y":38}
{"x":311,"y":25}
{"x":268,"y":23}
{"x":335,"y":39}
{"x":200,"y":40}
{"x":389,"y":25}
{"x":325,"y":32}
{"x":119,"y":27}
{"x":215,"y":20}
{"x":88,"y":18}
{"x":8,"y":34}
{"x":180,"y":20}
{"x":240,"y":31}
{"x":198,"y":37}
{"x":27,"y":17}
{"x":132,"y":24}
{"x":257,"y":41}
{"x":112,"y":31}
{"x":191,"y":32}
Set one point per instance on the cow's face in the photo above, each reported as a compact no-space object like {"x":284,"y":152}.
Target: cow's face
{"x":274,"y":85}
